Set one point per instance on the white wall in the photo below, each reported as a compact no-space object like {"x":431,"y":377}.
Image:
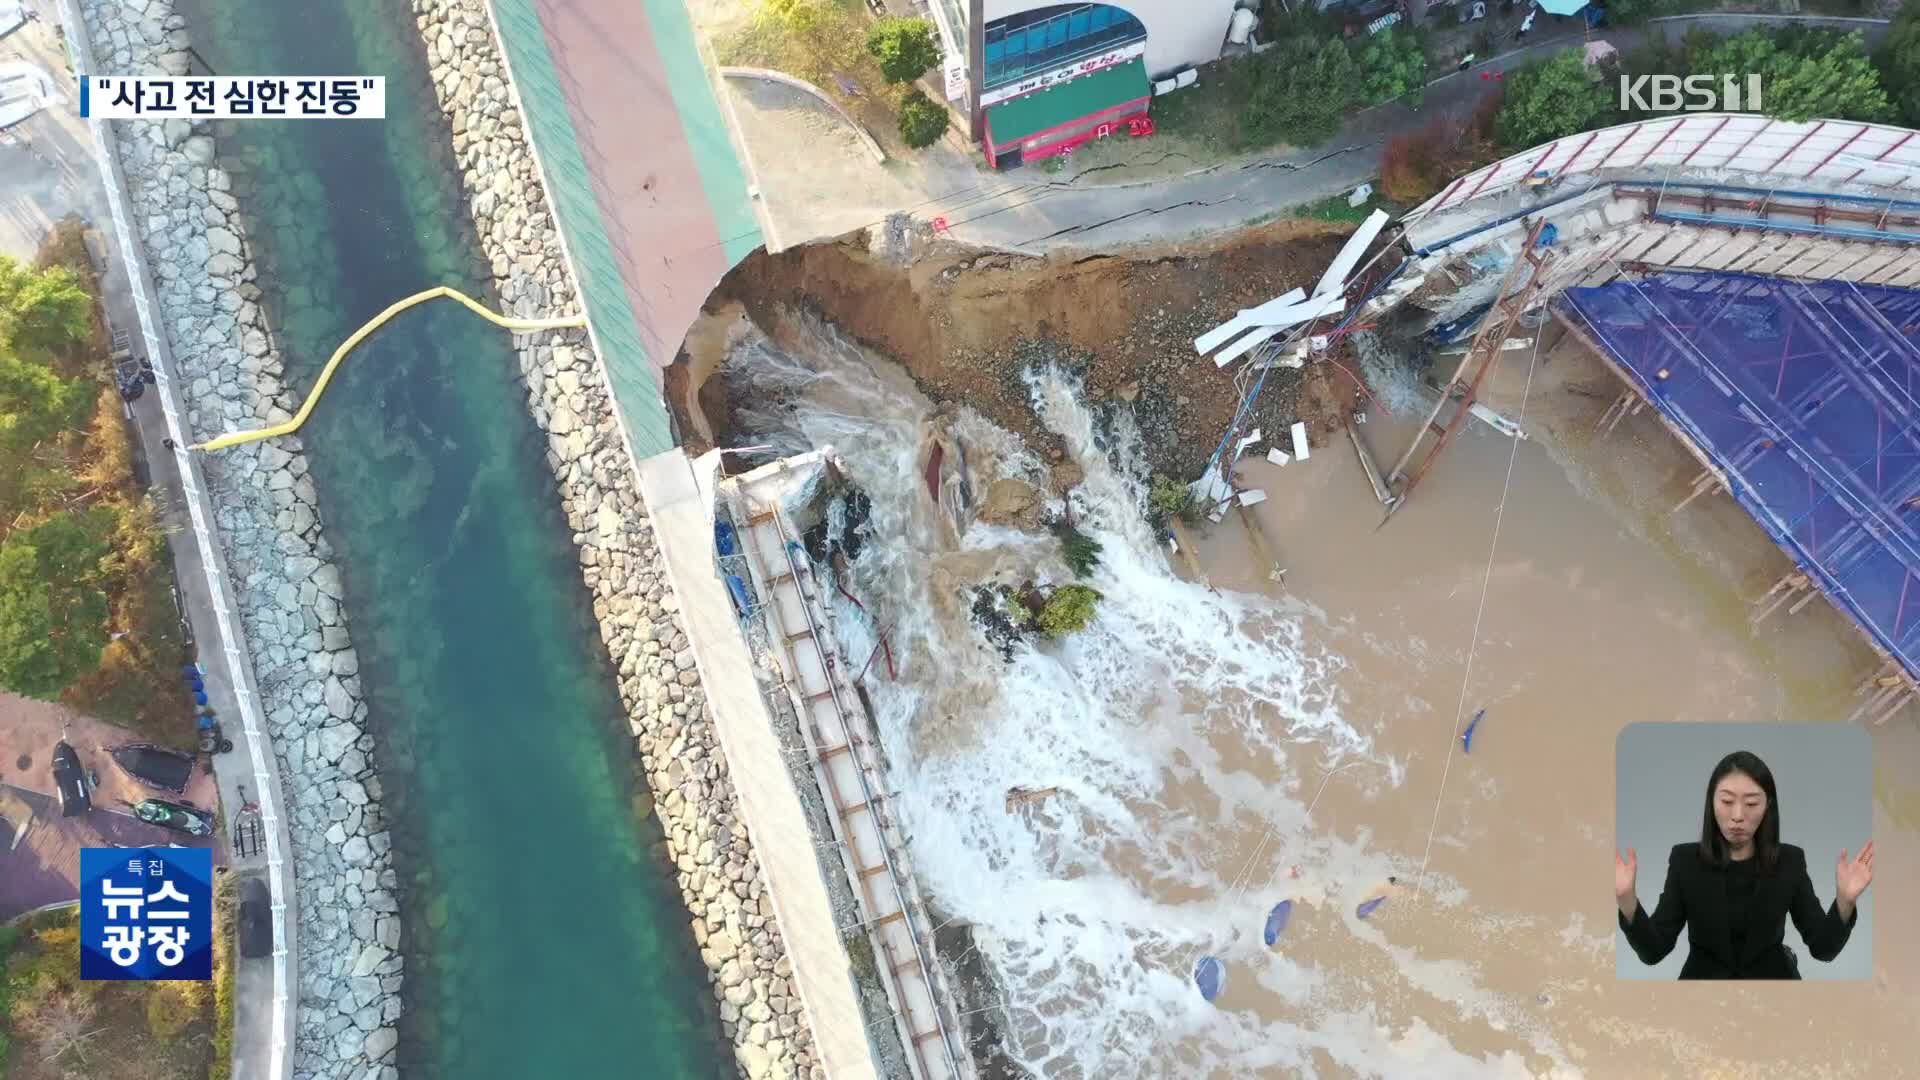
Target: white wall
{"x":1179,"y":32}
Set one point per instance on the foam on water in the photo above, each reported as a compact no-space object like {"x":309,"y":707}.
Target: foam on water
{"x":1187,"y":731}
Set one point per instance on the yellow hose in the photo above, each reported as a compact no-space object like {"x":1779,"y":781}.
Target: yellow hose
{"x":339,"y":354}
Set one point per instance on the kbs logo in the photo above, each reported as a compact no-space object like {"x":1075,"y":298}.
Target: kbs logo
{"x":1704,"y":93}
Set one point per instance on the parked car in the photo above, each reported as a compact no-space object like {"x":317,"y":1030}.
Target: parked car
{"x":71,"y":781}
{"x":254,"y":926}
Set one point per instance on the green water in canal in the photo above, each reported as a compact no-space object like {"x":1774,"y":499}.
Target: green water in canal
{"x":543,"y":940}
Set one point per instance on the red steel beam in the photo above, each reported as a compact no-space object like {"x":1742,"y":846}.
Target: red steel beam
{"x":1795,"y":148}
{"x":1677,"y":125}
{"x":1864,"y":128}
{"x":1882,"y":156}
{"x":1703,"y":142}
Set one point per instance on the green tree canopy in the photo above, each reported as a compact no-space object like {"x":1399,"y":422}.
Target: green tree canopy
{"x":1297,"y":94}
{"x":36,"y":404}
{"x":922,"y":122}
{"x":40,"y":309}
{"x":1899,"y":64}
{"x":1804,"y":74}
{"x":53,"y":615}
{"x":1392,"y":64}
{"x":905,"y":48}
{"x":1068,"y":608}
{"x":1550,"y":99}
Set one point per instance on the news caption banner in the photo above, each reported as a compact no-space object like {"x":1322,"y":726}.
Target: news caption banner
{"x":234,"y":97}
{"x":146,"y":914}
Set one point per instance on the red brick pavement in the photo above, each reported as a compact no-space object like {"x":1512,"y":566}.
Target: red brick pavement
{"x":644,"y":177}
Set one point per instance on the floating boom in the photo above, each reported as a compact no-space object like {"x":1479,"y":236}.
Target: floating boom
{"x":1335,"y":278}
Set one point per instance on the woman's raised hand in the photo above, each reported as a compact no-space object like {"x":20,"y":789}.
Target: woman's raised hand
{"x":1623,"y":875}
{"x":1851,"y":877}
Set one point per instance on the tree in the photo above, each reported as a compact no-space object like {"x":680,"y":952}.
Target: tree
{"x":1550,"y":99}
{"x":1804,"y":75}
{"x":36,"y":404}
{"x":53,"y":615}
{"x":41,"y":309}
{"x":922,"y":122}
{"x":1391,"y":65}
{"x":1300,"y":95}
{"x":905,"y":48}
{"x":1068,"y":608}
{"x":1899,"y":64}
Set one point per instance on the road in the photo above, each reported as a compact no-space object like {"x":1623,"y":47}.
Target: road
{"x":1024,"y":212}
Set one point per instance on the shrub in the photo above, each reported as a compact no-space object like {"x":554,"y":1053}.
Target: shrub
{"x":1392,"y":64}
{"x":905,"y":48}
{"x":922,"y":122}
{"x":1068,"y":609}
{"x":42,"y":309}
{"x":1416,"y":164}
{"x":53,"y":617}
{"x":1169,"y":498}
{"x":1300,"y":95}
{"x":1082,"y":552}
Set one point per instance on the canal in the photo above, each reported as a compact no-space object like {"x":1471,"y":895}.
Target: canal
{"x":542,"y":937}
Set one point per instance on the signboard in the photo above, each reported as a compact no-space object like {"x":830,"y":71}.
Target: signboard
{"x":956,"y":78}
{"x":1061,"y":74}
{"x":146,"y":913}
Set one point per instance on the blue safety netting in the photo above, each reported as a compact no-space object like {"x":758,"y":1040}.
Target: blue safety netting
{"x":1806,"y":396}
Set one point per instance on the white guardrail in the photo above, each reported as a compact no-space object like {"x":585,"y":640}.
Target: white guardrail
{"x":239,"y":670}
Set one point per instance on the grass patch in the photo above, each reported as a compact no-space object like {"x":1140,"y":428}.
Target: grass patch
{"x":1205,"y":116}
{"x":53,"y":1026}
{"x":1334,"y":208}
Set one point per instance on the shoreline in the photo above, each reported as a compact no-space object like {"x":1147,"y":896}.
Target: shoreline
{"x":718,"y":874}
{"x":289,"y":591}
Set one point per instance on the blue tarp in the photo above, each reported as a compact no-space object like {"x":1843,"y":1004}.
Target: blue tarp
{"x":1210,"y":975}
{"x":1806,"y":395}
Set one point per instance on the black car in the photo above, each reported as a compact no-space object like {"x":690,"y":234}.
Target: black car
{"x":254,"y":927}
{"x":71,"y":781}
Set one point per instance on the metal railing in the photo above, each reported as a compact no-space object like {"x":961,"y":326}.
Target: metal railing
{"x":193,"y":484}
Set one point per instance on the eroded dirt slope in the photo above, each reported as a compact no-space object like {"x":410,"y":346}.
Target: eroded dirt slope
{"x":966,"y":323}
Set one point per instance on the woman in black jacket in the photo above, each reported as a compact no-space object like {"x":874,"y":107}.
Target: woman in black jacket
{"x":1735,"y":888}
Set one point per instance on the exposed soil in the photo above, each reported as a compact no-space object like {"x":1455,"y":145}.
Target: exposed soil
{"x":966,"y":324}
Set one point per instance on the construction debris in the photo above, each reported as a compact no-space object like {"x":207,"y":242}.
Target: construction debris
{"x":1300,"y":448}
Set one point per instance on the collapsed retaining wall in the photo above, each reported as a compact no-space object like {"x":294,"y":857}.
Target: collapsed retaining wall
{"x":288,"y":591}
{"x":714,"y":862}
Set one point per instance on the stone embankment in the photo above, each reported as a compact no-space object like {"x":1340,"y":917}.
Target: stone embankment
{"x":187,"y":206}
{"x":707,"y":844}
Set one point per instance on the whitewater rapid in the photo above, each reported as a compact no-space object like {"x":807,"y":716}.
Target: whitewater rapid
{"x":1188,"y":732}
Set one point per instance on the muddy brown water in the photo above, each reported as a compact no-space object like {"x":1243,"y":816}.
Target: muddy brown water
{"x":1602,"y":608}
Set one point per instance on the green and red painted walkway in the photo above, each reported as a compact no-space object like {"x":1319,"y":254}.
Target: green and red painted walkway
{"x":643,"y":174}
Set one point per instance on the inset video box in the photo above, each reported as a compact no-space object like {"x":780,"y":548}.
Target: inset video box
{"x":234,"y":97}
